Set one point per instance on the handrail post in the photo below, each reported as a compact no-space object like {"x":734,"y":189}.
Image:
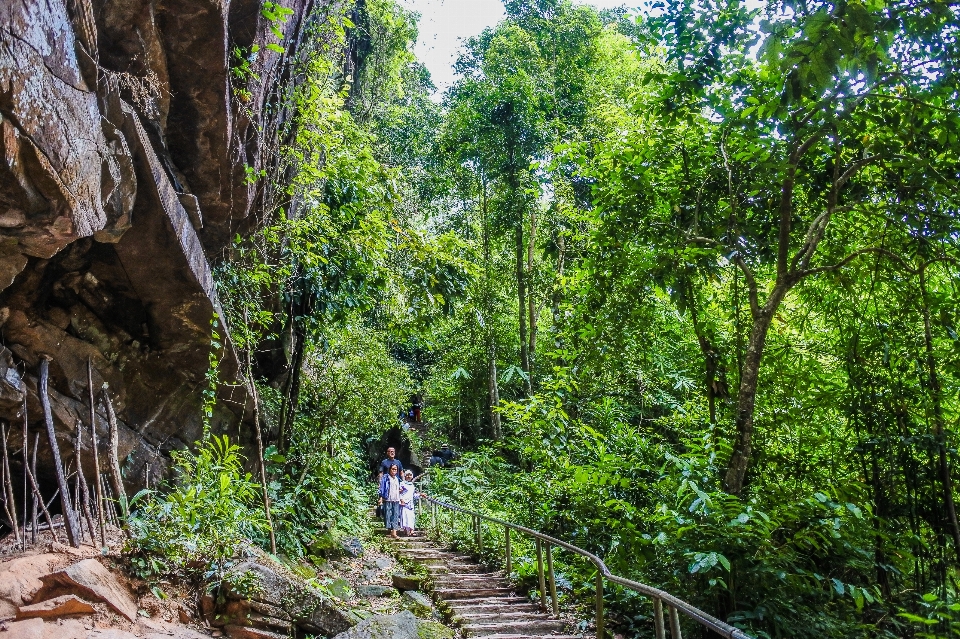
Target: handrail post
{"x":674,"y":623}
{"x":553,"y":582}
{"x":599,"y":596}
{"x":658,"y":618}
{"x":479,"y":536}
{"x":506,"y":530}
{"x":543,"y":585}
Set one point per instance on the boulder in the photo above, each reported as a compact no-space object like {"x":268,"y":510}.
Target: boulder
{"x":402,"y":625}
{"x":91,"y":580}
{"x":433,"y":630}
{"x":373,"y":590}
{"x":406,"y":582}
{"x":248,"y":632}
{"x":418,"y":603}
{"x":36,"y":628}
{"x":57,"y":607}
{"x":380,"y":563}
{"x":20,"y":581}
{"x":279,"y":588}
{"x":352,"y":546}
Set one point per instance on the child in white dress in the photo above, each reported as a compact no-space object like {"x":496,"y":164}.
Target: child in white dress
{"x":408,"y":496}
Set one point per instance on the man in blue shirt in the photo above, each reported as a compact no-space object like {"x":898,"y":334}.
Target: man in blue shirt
{"x":391,"y":460}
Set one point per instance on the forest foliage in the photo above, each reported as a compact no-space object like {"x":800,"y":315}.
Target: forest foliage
{"x":684,"y":279}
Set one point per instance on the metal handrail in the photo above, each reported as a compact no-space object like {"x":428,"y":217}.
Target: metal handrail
{"x":674,"y":605}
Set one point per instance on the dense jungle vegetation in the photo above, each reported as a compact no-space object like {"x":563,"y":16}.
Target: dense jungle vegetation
{"x":682,"y":283}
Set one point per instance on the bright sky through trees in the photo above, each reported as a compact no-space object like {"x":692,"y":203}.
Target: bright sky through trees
{"x":444,"y":24}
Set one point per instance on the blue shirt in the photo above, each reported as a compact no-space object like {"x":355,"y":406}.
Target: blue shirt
{"x":387,"y":463}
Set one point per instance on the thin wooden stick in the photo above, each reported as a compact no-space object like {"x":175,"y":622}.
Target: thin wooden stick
{"x":26,"y":464}
{"x":9,"y":504}
{"x":256,"y":425}
{"x":116,"y":479}
{"x":96,"y":454}
{"x":108,"y":498}
{"x":82,"y":482}
{"x":74,"y":535}
{"x":38,"y":498}
{"x":33,"y":493}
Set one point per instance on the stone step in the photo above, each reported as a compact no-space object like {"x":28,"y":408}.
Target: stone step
{"x":503,"y":613}
{"x":527,"y":636}
{"x":538,"y":627}
{"x":508,"y":600}
{"x":491,"y":610}
{"x":471,"y":593}
{"x":480,"y":599}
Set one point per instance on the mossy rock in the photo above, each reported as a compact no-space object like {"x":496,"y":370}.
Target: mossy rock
{"x":433,"y":630}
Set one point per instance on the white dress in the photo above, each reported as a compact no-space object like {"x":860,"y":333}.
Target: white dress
{"x":408,"y":493}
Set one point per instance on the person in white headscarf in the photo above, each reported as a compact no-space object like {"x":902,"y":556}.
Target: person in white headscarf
{"x":408,"y":497}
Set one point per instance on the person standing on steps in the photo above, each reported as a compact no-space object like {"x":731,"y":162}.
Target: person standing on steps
{"x":416,"y":405}
{"x":408,"y":498}
{"x":391,"y":460}
{"x":390,"y":499}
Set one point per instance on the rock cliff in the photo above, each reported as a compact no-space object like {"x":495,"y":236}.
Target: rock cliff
{"x":127,"y":136}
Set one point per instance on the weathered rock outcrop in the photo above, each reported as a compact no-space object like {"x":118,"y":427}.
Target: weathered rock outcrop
{"x":125,"y":150}
{"x":275,"y":599}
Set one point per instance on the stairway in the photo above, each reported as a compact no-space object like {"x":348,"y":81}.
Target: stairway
{"x":481,"y":602}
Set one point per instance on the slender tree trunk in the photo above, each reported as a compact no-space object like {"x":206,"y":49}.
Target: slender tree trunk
{"x":938,"y":421}
{"x":710,"y":356}
{"x":747,"y":394}
{"x":493,"y":383}
{"x":522,"y":301}
{"x":74,"y":536}
{"x":259,"y":435}
{"x":531,"y":298}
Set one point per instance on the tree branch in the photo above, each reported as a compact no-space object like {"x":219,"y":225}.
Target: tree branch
{"x":751,"y":285}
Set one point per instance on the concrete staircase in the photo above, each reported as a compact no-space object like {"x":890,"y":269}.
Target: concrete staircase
{"x":481,"y":602}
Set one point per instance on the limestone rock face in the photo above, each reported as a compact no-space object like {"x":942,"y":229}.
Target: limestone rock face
{"x":123,"y":155}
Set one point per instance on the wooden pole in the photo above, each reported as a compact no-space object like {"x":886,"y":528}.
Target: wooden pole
{"x":116,"y":479}
{"x":599,"y":602}
{"x":84,"y":490}
{"x":74,"y":535}
{"x":96,"y":454}
{"x":552,"y":582}
{"x":543,"y":585}
{"x":32,"y":472}
{"x":9,"y":504}
{"x":26,"y":465}
{"x":38,"y":499}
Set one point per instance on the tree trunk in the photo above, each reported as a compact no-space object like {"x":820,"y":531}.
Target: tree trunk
{"x":259,"y":434}
{"x":714,"y":386}
{"x":531,"y":299}
{"x":522,"y":301}
{"x":736,"y":475}
{"x":938,"y":421}
{"x":493,"y":383}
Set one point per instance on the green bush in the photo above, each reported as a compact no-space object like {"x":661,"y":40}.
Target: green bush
{"x":211,"y":511}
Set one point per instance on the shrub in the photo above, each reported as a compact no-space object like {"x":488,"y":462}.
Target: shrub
{"x":211,"y":510}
